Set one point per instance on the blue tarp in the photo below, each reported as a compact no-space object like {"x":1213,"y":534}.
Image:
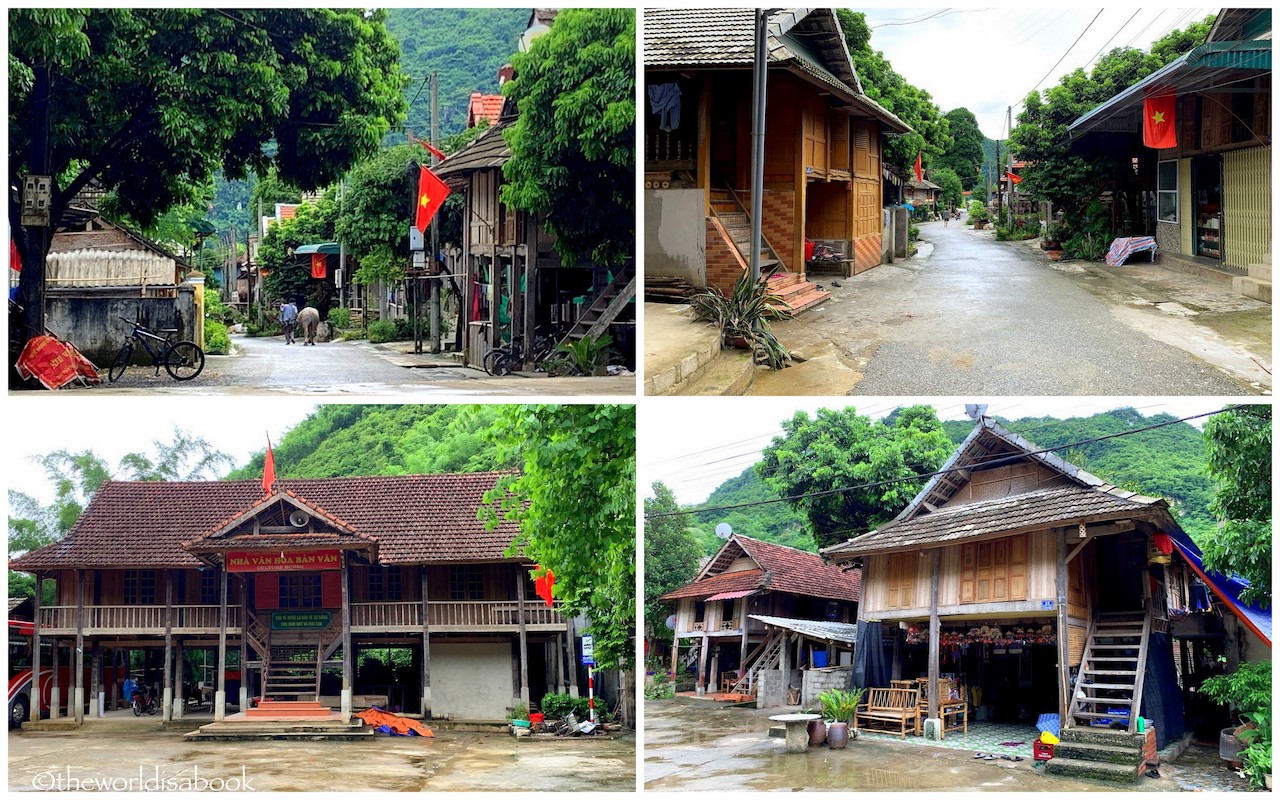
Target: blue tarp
{"x":1227,"y":589}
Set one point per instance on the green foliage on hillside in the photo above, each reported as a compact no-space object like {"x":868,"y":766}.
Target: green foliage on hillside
{"x":774,"y":522}
{"x":466,"y":46}
{"x":1167,"y":462}
{"x":342,"y":440}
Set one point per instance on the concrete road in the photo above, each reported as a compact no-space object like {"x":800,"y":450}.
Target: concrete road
{"x":449,"y":762}
{"x":266,"y":365}
{"x":969,"y":315}
{"x":696,"y":745}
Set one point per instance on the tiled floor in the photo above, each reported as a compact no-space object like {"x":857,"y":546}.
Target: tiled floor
{"x":984,"y":737}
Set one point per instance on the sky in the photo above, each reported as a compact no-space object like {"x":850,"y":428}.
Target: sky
{"x":696,"y":446}
{"x":114,"y":426}
{"x":986,"y":59}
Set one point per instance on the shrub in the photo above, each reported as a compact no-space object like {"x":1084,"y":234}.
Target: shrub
{"x":559,"y":706}
{"x":913,"y":233}
{"x":1248,"y":691}
{"x":662,"y":687}
{"x":340,"y":317}
{"x":216,"y":340}
{"x":383,"y":330}
{"x":404,"y":328}
{"x":1087,"y":246}
{"x":519,"y":712}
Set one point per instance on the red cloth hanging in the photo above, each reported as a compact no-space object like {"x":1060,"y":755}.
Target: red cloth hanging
{"x":1163,"y":542}
{"x":1157,"y":122}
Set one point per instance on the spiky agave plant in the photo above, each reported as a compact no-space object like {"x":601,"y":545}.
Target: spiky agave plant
{"x":744,"y":316}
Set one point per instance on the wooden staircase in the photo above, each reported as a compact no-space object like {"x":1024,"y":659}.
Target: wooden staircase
{"x":292,"y":670}
{"x":767,"y":655}
{"x":1111,"y":672}
{"x":795,"y":291}
{"x":605,"y":307}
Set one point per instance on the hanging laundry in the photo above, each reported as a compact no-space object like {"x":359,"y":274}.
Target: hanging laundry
{"x":664,"y":100}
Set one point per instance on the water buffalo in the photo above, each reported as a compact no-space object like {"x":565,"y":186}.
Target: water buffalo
{"x":309,"y":321}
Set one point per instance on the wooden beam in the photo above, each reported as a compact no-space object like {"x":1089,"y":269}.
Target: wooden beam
{"x":220,"y":697}
{"x":348,"y":658}
{"x":77,"y":694}
{"x":521,"y":578}
{"x":1060,"y":586}
{"x":166,"y":692}
{"x":35,"y":650}
{"x":178,"y":700}
{"x":96,"y":695}
{"x":702,"y":665}
{"x":426,"y":645}
{"x":704,"y":142}
{"x":935,"y":633}
{"x":571,"y":650}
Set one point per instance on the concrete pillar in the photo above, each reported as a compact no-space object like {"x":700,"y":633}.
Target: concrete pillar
{"x":179,"y":672}
{"x":220,"y":695}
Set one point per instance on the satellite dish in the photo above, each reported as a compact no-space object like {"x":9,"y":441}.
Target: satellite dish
{"x":724,"y":530}
{"x":975,"y":411}
{"x":299,"y":518}
{"x":671,"y":622}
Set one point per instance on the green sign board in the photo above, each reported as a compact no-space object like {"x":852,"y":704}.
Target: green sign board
{"x":300,"y":620}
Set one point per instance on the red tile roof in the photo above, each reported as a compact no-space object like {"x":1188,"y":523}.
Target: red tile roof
{"x":782,"y":569}
{"x":484,"y":106}
{"x":414,"y":518}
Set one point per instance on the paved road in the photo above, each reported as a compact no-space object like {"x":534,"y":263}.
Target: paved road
{"x":267,"y":365}
{"x":969,"y":315}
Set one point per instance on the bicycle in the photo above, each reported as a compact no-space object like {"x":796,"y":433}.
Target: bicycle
{"x":183,"y":360}
{"x":505,"y":359}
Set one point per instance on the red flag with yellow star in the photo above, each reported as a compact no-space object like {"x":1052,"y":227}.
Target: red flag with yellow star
{"x":1157,"y":122}
{"x":431,"y":195}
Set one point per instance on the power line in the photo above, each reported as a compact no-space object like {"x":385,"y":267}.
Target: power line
{"x":1069,"y":49}
{"x":1113,"y":36}
{"x":968,"y":467}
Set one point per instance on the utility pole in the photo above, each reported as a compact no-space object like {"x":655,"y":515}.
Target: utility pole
{"x":999,"y":194}
{"x":1009,"y":171}
{"x":433,"y":264}
{"x":760,"y":71}
{"x":342,"y":248}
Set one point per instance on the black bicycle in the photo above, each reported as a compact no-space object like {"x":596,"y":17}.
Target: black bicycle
{"x":507,"y":358}
{"x":183,"y":360}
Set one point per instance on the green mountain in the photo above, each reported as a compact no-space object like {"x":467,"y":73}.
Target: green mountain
{"x":466,"y":46}
{"x":775,"y":522}
{"x":1167,"y":462}
{"x":340,"y":440}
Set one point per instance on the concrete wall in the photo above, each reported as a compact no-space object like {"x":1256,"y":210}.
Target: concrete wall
{"x":772,"y":691}
{"x":1169,"y":237}
{"x":817,"y":681}
{"x":91,"y":321}
{"x":675,"y":234}
{"x":471,"y":681}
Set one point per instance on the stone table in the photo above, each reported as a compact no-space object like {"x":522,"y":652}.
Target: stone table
{"x":797,"y":730}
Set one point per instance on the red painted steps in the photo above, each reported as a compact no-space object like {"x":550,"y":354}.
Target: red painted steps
{"x":795,"y":293}
{"x":292,"y":709}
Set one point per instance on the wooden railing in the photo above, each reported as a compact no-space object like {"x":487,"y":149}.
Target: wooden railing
{"x":137,"y":618}
{"x":452,"y":613}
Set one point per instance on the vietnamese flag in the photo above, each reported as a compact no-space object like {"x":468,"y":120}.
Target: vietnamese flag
{"x":1157,"y":122}
{"x":431,"y":195}
{"x":319,"y":265}
{"x":268,"y":469}
{"x":919,"y":171}
{"x":1015,"y":179}
{"x":542,"y":586}
{"x":15,"y":260}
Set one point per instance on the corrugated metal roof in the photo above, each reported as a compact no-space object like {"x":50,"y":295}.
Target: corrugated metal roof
{"x":846,"y":632}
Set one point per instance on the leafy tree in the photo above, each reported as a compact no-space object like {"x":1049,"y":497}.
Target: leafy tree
{"x":839,"y":449}
{"x":952,"y":189}
{"x":1238,"y":446}
{"x":575,"y":503}
{"x":77,"y":476}
{"x":670,"y":557}
{"x":964,"y":154}
{"x":573,"y":147}
{"x":1071,"y":177}
{"x":929,"y":129}
{"x":289,"y":276}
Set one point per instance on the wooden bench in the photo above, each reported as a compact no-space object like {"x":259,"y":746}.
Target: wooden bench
{"x":889,"y":709}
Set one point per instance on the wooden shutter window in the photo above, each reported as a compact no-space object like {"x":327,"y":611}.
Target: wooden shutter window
{"x":994,"y":571}
{"x":331,"y":589}
{"x":266,"y":591}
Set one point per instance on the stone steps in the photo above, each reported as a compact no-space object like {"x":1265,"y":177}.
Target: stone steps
{"x":1085,"y":751}
{"x":1094,"y":770}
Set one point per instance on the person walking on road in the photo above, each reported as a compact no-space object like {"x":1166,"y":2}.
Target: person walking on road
{"x":946,"y":217}
{"x":289,"y":319}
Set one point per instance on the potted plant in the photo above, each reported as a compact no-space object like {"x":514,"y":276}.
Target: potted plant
{"x":1248,"y":691}
{"x":838,"y":707}
{"x":1053,"y":236}
{"x":743,"y":318}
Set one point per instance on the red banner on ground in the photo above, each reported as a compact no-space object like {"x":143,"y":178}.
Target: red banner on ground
{"x":54,"y":363}
{"x":288,"y":561}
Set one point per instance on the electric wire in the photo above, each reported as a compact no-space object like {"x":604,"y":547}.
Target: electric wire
{"x":1069,"y":49}
{"x":968,"y":467}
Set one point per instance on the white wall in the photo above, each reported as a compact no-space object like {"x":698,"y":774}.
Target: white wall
{"x":471,"y":681}
{"x":675,"y":234}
